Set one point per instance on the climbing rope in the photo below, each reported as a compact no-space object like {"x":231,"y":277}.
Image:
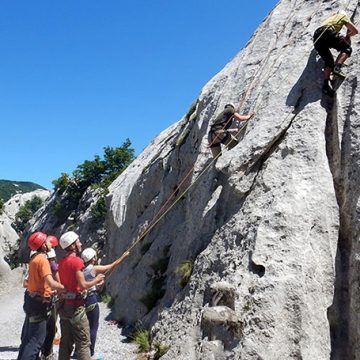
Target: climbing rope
{"x":287,"y":44}
{"x":154,"y":223}
{"x":161,"y":213}
{"x":173,"y":194}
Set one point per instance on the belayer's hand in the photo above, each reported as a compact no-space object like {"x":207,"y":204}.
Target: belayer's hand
{"x":100,"y":278}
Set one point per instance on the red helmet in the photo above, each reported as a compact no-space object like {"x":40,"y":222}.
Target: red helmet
{"x":53,"y":240}
{"x":36,"y":240}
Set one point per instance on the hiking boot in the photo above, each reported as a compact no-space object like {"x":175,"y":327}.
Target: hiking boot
{"x":327,"y":90}
{"x":337,"y":71}
{"x":97,"y":357}
{"x":52,"y":356}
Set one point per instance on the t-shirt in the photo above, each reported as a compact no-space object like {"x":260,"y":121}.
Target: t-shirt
{"x":39,"y":267}
{"x":54,"y":266}
{"x":336,"y":21}
{"x":89,"y":276}
{"x":68,"y":266}
{"x":223,"y":117}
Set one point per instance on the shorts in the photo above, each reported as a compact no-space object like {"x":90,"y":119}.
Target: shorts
{"x":325,"y":38}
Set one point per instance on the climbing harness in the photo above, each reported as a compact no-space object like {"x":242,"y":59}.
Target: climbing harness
{"x":78,"y":315}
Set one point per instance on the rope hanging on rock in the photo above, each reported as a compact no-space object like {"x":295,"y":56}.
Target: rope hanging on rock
{"x":154,"y":223}
{"x":161,"y":213}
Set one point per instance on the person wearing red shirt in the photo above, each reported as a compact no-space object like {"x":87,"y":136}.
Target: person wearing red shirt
{"x":73,"y":321}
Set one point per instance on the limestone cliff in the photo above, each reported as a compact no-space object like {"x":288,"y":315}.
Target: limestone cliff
{"x":59,"y":215}
{"x":8,"y":235}
{"x":271,"y":227}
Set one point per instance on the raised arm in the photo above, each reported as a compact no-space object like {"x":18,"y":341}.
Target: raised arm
{"x":243,"y":117}
{"x":352,"y":30}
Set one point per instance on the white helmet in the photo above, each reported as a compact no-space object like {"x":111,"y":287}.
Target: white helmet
{"x":51,"y":254}
{"x":88,"y":254}
{"x":230,"y":104}
{"x":68,"y":238}
{"x":32,"y":253}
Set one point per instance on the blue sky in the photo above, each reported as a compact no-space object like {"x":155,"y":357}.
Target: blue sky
{"x":76,"y":76}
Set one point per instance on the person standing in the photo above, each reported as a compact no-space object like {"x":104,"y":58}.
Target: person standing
{"x":37,"y":301}
{"x":47,"y":348}
{"x":73,"y":321}
{"x":91,"y":301}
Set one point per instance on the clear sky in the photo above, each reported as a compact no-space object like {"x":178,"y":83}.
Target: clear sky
{"x":79,"y":75}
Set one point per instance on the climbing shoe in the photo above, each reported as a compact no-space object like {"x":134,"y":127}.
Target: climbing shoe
{"x":327,"y":89}
{"x":338,"y":72}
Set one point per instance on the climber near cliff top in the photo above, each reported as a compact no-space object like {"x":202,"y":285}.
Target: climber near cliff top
{"x":221,"y":131}
{"x":327,"y":37}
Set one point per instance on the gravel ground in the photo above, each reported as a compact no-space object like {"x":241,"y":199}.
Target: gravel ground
{"x":110,"y":343}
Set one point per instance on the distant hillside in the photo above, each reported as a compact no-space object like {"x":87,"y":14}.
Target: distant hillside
{"x":9,"y":188}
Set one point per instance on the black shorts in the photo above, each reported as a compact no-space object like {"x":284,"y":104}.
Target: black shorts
{"x":326,"y":39}
{"x":216,"y":139}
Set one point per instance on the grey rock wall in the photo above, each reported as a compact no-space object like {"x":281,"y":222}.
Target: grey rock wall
{"x":12,"y":206}
{"x":54,"y":219}
{"x":8,"y":235}
{"x":276,"y":217}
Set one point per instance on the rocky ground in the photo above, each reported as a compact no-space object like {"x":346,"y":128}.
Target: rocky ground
{"x":110,"y":344}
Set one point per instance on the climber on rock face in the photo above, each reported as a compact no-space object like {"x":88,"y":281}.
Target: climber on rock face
{"x":220,"y":131}
{"x":327,"y":37}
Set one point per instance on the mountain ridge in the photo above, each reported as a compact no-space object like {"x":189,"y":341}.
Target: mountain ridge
{"x":9,"y":188}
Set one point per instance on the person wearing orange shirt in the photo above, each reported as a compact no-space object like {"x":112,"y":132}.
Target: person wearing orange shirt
{"x":37,"y":302}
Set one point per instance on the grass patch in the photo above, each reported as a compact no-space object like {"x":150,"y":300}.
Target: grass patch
{"x":184,"y":270}
{"x":107,"y":299}
{"x":160,"y":350}
{"x":141,"y":338}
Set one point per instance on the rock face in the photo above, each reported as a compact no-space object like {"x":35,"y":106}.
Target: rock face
{"x":8,"y":238}
{"x":12,"y":206}
{"x":54,"y":220}
{"x":276,"y":217}
{"x":8,"y":235}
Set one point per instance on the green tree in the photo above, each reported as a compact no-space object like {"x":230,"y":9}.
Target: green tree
{"x":90,"y":172}
{"x":1,"y":206}
{"x":62,"y":182}
{"x":26,"y":212}
{"x":116,"y":161}
{"x":100,"y":172}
